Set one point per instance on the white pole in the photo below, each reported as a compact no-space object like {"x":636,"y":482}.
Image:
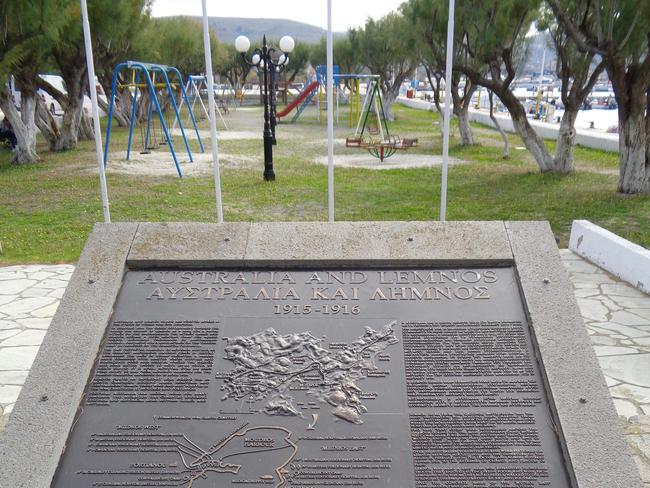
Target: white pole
{"x":330,"y":114}
{"x":541,"y":70}
{"x":93,"y":98}
{"x":213,"y":116}
{"x":445,"y":139}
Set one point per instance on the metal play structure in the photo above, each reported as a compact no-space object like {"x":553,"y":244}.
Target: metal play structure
{"x":143,"y":76}
{"x":195,"y":84}
{"x":386,"y":145}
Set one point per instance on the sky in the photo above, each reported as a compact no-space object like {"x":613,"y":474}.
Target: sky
{"x":345,"y":13}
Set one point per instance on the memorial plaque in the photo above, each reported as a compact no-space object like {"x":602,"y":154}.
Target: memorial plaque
{"x":380,"y":378}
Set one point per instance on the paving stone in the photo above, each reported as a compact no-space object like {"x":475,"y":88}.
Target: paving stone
{"x":632,"y":369}
{"x":7,"y":298}
{"x":611,"y":305}
{"x":637,"y":393}
{"x":632,"y":302}
{"x":58,"y":294}
{"x":622,"y":331}
{"x":611,"y":381}
{"x":8,"y":324}
{"x":592,"y":309}
{"x":7,"y":333}
{"x":17,"y":358}
{"x":42,"y":275}
{"x":12,"y":275}
{"x":587,"y":292}
{"x":625,"y":408}
{"x":614,"y":350}
{"x":53,"y":283}
{"x":36,"y":292}
{"x":640,"y":447}
{"x":21,"y":306}
{"x":580,"y":266}
{"x":603,"y":340}
{"x":15,"y":287}
{"x":13,"y":377}
{"x":641,"y":312}
{"x":25,"y":338}
{"x":9,"y":394}
{"x":587,"y":280}
{"x":596,"y":328}
{"x":622,"y":289}
{"x":36,"y":323}
{"x":61,"y":268}
{"x":48,"y":311}
{"x":627,"y":318}
{"x":568,"y":255}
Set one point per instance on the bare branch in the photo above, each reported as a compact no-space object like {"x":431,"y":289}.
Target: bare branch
{"x":579,"y":38}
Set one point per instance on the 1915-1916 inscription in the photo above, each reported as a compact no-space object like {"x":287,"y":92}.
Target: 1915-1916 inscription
{"x":422,"y":378}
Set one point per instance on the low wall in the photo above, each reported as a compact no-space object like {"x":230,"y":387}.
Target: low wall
{"x":624,"y":259}
{"x":586,"y":138}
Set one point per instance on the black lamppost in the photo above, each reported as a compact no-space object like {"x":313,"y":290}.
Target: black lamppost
{"x":262,"y":58}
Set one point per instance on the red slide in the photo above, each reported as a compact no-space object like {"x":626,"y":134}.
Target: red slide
{"x":303,"y":94}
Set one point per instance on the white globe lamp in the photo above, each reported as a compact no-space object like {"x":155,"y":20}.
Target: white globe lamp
{"x":242,"y":44}
{"x":287,"y":44}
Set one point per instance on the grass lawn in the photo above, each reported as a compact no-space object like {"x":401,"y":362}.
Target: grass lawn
{"x":47,"y":209}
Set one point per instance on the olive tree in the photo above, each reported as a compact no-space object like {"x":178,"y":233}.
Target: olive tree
{"x":386,"y":48}
{"x":114,"y":25}
{"x":428,"y":19}
{"x":618,"y":31}
{"x":28,"y":28}
{"x":493,"y":36}
{"x":578,"y":73}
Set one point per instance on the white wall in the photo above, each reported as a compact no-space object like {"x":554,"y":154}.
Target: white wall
{"x":624,"y":259}
{"x":587,"y":138}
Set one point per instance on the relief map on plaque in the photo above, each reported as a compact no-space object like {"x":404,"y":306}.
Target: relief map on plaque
{"x":407,"y":378}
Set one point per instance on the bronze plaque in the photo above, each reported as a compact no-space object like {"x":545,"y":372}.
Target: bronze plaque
{"x":382,"y":378}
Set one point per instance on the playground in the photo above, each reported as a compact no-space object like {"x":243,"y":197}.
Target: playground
{"x":48,"y":208}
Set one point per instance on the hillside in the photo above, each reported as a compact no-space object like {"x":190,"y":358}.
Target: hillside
{"x":228,"y":28}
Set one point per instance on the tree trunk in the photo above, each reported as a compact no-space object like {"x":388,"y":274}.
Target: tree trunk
{"x":466,"y":134}
{"x":122,"y":109}
{"x":388,"y":97}
{"x":22,"y":123}
{"x":532,"y":141}
{"x":461,"y":111}
{"x":633,"y":151}
{"x":566,"y":138}
{"x":86,"y":127}
{"x":71,"y":120}
{"x":504,"y":136}
{"x":46,"y":123}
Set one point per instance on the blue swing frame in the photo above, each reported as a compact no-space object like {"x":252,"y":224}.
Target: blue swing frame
{"x":147,"y":69}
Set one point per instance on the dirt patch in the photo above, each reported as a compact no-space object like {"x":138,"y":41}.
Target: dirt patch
{"x":162,"y":163}
{"x":400,"y":160}
{"x":222,"y":135}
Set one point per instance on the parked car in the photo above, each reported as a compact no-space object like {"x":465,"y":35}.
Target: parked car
{"x":52,"y":104}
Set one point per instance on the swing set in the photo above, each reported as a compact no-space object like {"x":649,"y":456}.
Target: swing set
{"x":386,"y":145}
{"x":194,"y":86}
{"x":143,"y":77}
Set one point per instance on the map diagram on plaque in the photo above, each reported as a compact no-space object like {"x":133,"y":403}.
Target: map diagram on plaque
{"x":269,"y":365}
{"x":263,"y":451}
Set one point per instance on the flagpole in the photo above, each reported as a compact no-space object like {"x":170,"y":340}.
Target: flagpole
{"x":445,"y":138}
{"x":95,"y":110}
{"x":213,"y":116}
{"x":330,"y":114}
